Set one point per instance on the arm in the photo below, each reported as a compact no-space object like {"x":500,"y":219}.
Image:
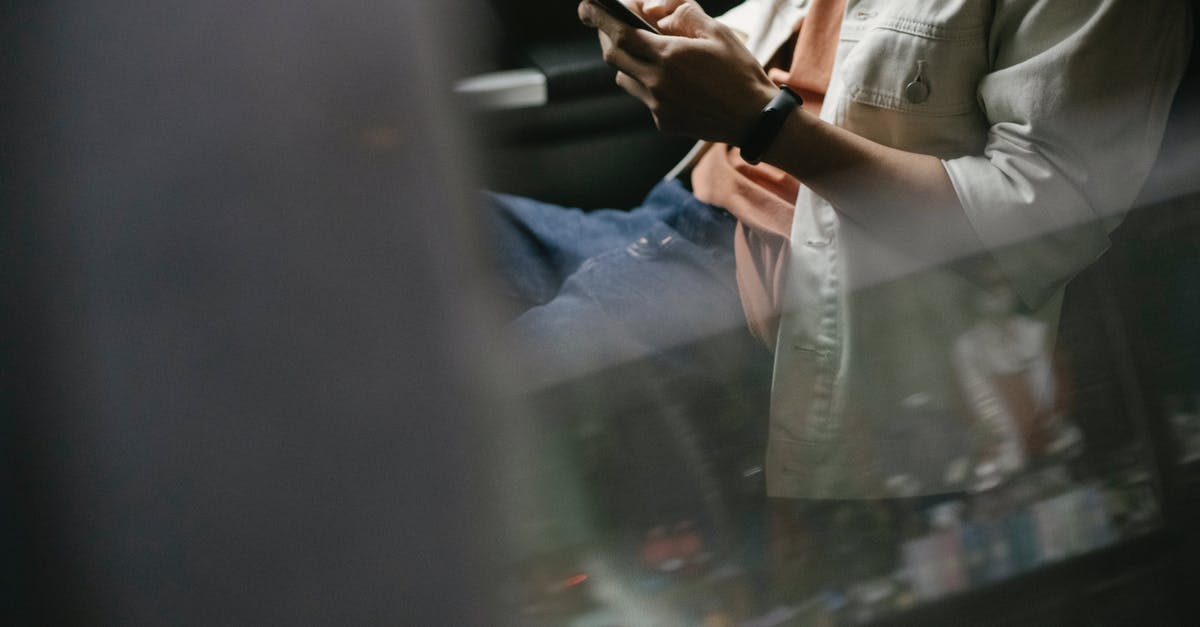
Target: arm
{"x":891,"y":192}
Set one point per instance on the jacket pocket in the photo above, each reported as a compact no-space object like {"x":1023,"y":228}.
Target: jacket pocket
{"x":912,"y":85}
{"x":916,"y":67}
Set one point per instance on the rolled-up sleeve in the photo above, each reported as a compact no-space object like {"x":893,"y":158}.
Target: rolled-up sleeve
{"x":1076,"y":100}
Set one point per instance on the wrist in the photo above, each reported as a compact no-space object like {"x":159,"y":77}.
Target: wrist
{"x":767,"y":124}
{"x":800,"y":129}
{"x":752,"y":107}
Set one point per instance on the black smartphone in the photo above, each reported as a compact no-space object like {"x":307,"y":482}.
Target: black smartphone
{"x":625,"y":14}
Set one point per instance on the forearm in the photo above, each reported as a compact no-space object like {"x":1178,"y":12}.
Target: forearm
{"x":903,"y":198}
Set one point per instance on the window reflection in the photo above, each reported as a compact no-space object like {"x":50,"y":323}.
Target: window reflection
{"x":987,"y":426}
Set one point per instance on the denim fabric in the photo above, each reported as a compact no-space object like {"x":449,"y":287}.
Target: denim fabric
{"x":608,"y":286}
{"x":632,"y":320}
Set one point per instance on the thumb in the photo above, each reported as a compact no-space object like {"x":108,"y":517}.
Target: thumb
{"x":687,"y":20}
{"x":655,"y":10}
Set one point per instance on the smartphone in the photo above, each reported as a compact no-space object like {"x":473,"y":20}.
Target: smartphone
{"x":625,"y":14}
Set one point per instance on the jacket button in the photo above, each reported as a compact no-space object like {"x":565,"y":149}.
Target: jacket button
{"x":917,"y":90}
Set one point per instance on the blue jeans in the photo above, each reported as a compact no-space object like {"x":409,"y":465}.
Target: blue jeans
{"x":633,"y":318}
{"x":607,"y":287}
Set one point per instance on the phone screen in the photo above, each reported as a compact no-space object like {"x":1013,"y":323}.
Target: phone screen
{"x":625,"y":14}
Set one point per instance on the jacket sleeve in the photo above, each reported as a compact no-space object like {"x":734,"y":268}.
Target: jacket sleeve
{"x":1076,"y":99}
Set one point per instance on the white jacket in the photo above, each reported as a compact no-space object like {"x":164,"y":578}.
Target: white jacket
{"x":1047,"y":114}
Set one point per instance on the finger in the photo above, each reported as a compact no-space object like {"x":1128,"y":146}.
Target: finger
{"x":655,"y":10}
{"x":617,"y":57}
{"x":688,"y":19}
{"x":636,"y":89}
{"x":638,"y":42}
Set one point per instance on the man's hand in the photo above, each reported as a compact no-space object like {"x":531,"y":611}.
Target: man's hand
{"x":696,"y":78}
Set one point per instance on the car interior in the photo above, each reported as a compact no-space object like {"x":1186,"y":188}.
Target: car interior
{"x":235,"y":388}
{"x":556,"y":128}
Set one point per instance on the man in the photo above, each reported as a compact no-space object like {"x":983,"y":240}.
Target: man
{"x":1011,"y":133}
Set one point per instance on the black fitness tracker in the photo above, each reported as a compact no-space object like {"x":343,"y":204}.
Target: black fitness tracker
{"x":767,"y":126}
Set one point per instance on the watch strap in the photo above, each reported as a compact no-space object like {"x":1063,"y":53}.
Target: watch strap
{"x":767,"y":126}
